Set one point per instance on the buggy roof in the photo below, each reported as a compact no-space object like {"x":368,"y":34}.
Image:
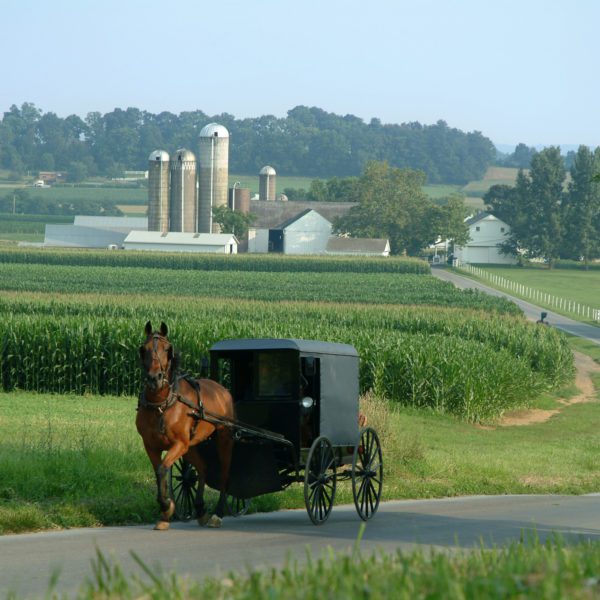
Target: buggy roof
{"x":306,"y":346}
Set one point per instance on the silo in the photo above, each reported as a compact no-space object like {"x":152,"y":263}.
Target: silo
{"x":158,"y":191}
{"x":239,"y":199}
{"x":266,"y":183}
{"x":183,"y":192}
{"x":214,"y":167}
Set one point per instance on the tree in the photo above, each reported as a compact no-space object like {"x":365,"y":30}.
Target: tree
{"x":581,"y":207}
{"x":391,"y":205}
{"x":232,"y":221}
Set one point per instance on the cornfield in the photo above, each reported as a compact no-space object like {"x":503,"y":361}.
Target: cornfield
{"x":359,"y":287}
{"x":447,"y":359}
{"x":214,"y":262}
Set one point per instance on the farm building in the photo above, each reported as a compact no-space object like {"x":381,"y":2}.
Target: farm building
{"x":93,"y":232}
{"x":305,"y":233}
{"x":176,"y":241}
{"x":358,"y":246}
{"x":487,"y":232}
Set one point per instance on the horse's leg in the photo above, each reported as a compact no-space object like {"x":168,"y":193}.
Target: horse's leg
{"x":166,"y":509}
{"x":225,"y":452}
{"x":167,"y":506}
{"x":195,"y":458}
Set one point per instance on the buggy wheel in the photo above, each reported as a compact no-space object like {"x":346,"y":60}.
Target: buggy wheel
{"x":367,"y":474}
{"x":320,"y":480}
{"x":183,"y":483}
{"x":237,"y":507}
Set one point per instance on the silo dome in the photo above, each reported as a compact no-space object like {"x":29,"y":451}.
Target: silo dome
{"x":159,"y":155}
{"x":214,"y":130}
{"x":267,"y":170}
{"x":184,"y":155}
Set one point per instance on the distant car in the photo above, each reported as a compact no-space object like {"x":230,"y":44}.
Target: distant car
{"x":39,"y":183}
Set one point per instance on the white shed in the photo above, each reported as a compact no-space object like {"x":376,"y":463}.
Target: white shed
{"x":175,"y":241}
{"x":487,"y":232}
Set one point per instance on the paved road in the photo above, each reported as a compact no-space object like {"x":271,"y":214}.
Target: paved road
{"x":260,"y":540}
{"x":531,"y":311}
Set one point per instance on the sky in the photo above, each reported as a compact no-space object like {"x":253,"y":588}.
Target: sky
{"x":515,"y":70}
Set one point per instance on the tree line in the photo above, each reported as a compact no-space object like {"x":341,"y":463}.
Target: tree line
{"x":551,"y":216}
{"x":308,"y":142}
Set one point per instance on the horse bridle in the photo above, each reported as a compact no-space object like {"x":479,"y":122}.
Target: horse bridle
{"x":164,"y":371}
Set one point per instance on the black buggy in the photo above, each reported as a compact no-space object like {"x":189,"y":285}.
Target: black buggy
{"x":297,"y":421}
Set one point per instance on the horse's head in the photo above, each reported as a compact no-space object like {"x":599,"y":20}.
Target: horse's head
{"x":157,"y":357}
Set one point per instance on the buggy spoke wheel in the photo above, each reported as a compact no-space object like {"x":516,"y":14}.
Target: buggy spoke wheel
{"x":183,"y":483}
{"x":367,"y":474}
{"x":320,"y":480}
{"x":237,"y":507}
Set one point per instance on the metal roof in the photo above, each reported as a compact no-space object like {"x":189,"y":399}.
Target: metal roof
{"x":111,"y":222}
{"x":357,"y":245}
{"x":307,"y":346}
{"x":183,"y":154}
{"x":159,"y":155}
{"x":214,"y":130}
{"x":267,"y":170}
{"x":178,"y":237}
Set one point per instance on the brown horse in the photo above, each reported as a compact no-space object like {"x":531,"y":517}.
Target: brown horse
{"x":170,"y":419}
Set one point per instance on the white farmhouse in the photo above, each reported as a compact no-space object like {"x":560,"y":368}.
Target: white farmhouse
{"x":487,"y":232}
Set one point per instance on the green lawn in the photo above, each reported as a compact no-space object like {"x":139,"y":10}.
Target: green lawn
{"x":572,"y":284}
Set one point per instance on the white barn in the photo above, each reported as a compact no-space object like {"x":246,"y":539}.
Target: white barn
{"x":175,"y":241}
{"x":487,"y":232}
{"x":305,"y":233}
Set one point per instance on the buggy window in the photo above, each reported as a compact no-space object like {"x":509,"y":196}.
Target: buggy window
{"x":277,"y":374}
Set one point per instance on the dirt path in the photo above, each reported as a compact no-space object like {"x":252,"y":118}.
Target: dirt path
{"x":585,"y":367}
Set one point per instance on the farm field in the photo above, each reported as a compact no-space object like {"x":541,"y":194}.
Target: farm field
{"x":434,"y":362}
{"x":78,"y":461}
{"x":576,"y":285}
{"x":377,"y":288}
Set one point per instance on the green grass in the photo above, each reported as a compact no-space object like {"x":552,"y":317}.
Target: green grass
{"x":575,"y":285}
{"x":133,"y":195}
{"x":437,"y":190}
{"x":555,"y":570}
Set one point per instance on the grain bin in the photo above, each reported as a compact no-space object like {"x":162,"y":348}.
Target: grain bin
{"x":214,"y":173}
{"x":266,"y":183}
{"x":183,"y":203}
{"x":239,"y":199}
{"x":158,"y":191}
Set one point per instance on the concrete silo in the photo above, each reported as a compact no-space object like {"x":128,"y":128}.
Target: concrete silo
{"x":267,"y":179}
{"x":158,"y":191}
{"x":239,"y":199}
{"x":214,"y":174}
{"x":183,"y":203}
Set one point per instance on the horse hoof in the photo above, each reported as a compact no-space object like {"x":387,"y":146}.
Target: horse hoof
{"x":214,"y":521}
{"x":162,"y":526}
{"x":203,"y":520}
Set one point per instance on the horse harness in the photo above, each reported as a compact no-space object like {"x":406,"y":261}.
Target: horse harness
{"x":197,"y":411}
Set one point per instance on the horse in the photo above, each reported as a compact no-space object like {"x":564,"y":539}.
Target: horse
{"x":171,"y":419}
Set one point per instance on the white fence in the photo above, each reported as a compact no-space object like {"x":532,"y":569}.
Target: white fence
{"x":543,"y":299}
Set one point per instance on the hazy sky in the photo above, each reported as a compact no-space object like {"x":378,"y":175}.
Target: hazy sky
{"x":516,"y":70}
